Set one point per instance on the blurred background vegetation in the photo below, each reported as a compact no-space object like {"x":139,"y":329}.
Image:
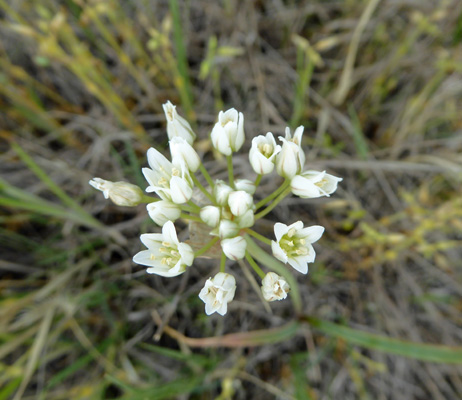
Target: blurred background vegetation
{"x":378,"y":86}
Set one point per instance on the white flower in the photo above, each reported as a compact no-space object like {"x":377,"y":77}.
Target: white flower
{"x":228,"y":133}
{"x":311,"y":184}
{"x":177,"y":126}
{"x":163,"y":211}
{"x":170,"y":182}
{"x":262,"y":154}
{"x":218,"y":292}
{"x":182,"y":152}
{"x":121,"y":193}
{"x":293,"y":244}
{"x":234,"y":248}
{"x":165,"y":256}
{"x":239,"y":202}
{"x":291,"y":159}
{"x":210,"y":215}
{"x":274,"y":287}
{"x":246,"y":185}
{"x":221,"y":192}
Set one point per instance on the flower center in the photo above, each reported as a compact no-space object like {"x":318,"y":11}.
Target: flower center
{"x":170,"y":254}
{"x":266,"y":149}
{"x":321,"y":183}
{"x":293,"y":246}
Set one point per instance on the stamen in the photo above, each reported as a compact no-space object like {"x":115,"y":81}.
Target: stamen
{"x":152,"y":257}
{"x":175,"y":172}
{"x":291,"y":232}
{"x":164,"y":261}
{"x":166,"y":244}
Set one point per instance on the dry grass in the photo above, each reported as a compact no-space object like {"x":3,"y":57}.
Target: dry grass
{"x":378,"y":87}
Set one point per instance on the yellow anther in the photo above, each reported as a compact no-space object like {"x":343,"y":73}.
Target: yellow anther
{"x":302,"y":241}
{"x":290,"y":243}
{"x":164,"y":261}
{"x":152,"y":257}
{"x":166,"y":244}
{"x":175,"y":172}
{"x":291,"y":232}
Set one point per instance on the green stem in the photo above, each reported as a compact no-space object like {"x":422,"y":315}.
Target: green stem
{"x":254,"y":265}
{"x":273,"y":204}
{"x":203,"y":189}
{"x":257,"y":181}
{"x":189,"y":209}
{"x":222,"y":262}
{"x":195,"y":207}
{"x":273,"y":195}
{"x":204,"y":249}
{"x":256,"y":235}
{"x":229,"y":160}
{"x":207,"y":176}
{"x":148,"y":199}
{"x":190,"y":217}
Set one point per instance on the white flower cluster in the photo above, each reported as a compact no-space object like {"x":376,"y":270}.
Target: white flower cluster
{"x":229,"y":210}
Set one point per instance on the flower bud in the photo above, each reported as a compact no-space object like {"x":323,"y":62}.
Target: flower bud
{"x":262,"y":154}
{"x":239,"y":202}
{"x":221,"y":192}
{"x":228,"y":133}
{"x":210,"y":215}
{"x":246,"y":220}
{"x":227,"y":229}
{"x":177,"y":126}
{"x":312,"y":184}
{"x":234,"y":248}
{"x":182,"y":152}
{"x":246,"y":185}
{"x":274,"y":287}
{"x":121,"y":193}
{"x":163,"y":211}
{"x":291,"y":159}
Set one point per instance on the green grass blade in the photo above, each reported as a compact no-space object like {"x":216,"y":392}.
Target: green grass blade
{"x":184,"y":84}
{"x":418,"y":351}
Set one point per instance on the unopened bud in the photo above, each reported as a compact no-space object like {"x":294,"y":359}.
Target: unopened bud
{"x":121,"y":193}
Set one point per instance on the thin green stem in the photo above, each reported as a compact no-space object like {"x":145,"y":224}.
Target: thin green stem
{"x":273,"y":195}
{"x":222,"y":262}
{"x":202,"y":189}
{"x":256,"y":235}
{"x":190,"y":217}
{"x":189,"y":209}
{"x":148,"y":199}
{"x":273,"y":204}
{"x":229,"y":160}
{"x":254,"y":265}
{"x":207,"y":247}
{"x":195,"y":207}
{"x":207,"y":176}
{"x":257,"y":181}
